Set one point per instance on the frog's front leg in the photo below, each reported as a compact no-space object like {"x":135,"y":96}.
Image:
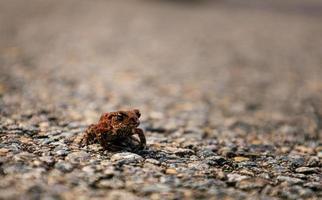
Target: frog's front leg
{"x":103,"y":139}
{"x":141,"y":135}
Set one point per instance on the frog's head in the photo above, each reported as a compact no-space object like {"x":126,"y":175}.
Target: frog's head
{"x":122,"y":119}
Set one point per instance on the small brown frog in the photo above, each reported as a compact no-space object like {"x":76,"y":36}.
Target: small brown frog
{"x":113,"y":128}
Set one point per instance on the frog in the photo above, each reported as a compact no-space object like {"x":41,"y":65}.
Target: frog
{"x":114,"y":127}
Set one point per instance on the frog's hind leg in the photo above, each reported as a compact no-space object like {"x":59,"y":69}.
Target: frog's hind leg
{"x":89,"y":136}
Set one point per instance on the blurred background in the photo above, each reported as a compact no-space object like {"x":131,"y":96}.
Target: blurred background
{"x":227,"y":83}
{"x":177,"y":59}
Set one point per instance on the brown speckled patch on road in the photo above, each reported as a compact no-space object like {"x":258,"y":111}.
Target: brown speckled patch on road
{"x":230,"y":94}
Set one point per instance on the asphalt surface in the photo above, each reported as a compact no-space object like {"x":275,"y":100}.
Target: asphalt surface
{"x":230,"y":94}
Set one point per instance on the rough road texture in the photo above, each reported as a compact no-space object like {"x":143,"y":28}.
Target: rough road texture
{"x":230,"y":94}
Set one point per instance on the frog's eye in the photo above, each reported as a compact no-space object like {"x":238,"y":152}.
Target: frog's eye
{"x":119,"y":117}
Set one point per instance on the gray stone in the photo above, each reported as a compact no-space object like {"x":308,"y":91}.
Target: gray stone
{"x":179,"y":151}
{"x":109,"y":172}
{"x":113,"y":183}
{"x":216,"y":160}
{"x":90,"y":170}
{"x":62,"y":152}
{"x":16,"y":168}
{"x":313,"y":161}
{"x":206,"y":153}
{"x":127,"y":157}
{"x":236,"y":177}
{"x":307,"y":170}
{"x":64,"y":166}
{"x":153,"y":161}
{"x":251,"y":183}
{"x":289,"y":180}
{"x":313,"y":185}
{"x":156,"y":188}
{"x":296,"y":160}
{"x":47,"y":159}
{"x":77,"y":157}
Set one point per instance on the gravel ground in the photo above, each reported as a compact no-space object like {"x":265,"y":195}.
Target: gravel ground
{"x":230,"y":94}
